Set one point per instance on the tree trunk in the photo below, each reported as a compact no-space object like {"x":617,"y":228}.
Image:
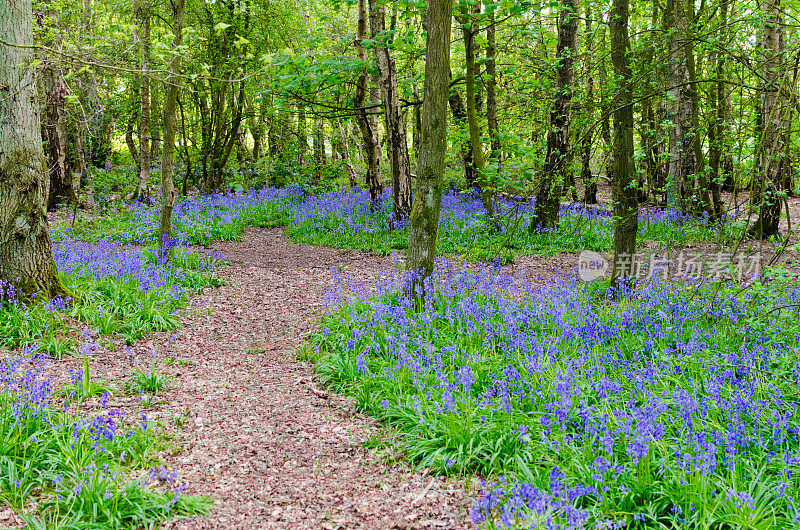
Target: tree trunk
{"x":369,"y":134}
{"x":188,"y":170}
{"x":469,"y":29}
{"x":685,"y":156}
{"x":606,"y":110}
{"x":257,"y":129}
{"x":417,"y":132}
{"x":430,"y":173}
{"x":460,"y":119}
{"x":626,"y":204}
{"x":765,"y":195}
{"x":170,"y":125}
{"x":548,"y":198}
{"x":496,"y":154}
{"x":724,"y":171}
{"x":319,"y":148}
{"x":396,"y":141}
{"x":351,"y":171}
{"x":134,"y":115}
{"x":27,"y":266}
{"x":142,"y":11}
{"x":589,"y":185}
{"x":61,"y":189}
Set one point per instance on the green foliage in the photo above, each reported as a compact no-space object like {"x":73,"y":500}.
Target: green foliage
{"x":111,"y":305}
{"x":478,"y":381}
{"x":148,"y":379}
{"x":70,"y":469}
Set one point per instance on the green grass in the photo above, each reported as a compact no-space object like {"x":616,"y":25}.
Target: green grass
{"x":64,"y":467}
{"x":499,"y":379}
{"x":111,"y":305}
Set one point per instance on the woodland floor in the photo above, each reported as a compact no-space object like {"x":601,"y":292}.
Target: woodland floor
{"x":247,"y":423}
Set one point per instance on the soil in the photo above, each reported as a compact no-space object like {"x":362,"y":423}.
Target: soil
{"x":249,"y":424}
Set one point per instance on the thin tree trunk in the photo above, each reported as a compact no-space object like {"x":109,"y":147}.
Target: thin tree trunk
{"x":589,"y":184}
{"x":186,"y":153}
{"x":134,"y":115}
{"x":469,"y":29}
{"x":319,"y":148}
{"x":351,"y":171}
{"x":548,"y":198}
{"x":460,"y":119}
{"x":369,"y":134}
{"x":60,"y":190}
{"x":606,"y":110}
{"x":396,"y":141}
{"x":626,"y":204}
{"x":142,"y":10}
{"x":496,"y":153}
{"x":26,"y":252}
{"x":765,"y":195}
{"x":170,"y":125}
{"x":430,"y":175}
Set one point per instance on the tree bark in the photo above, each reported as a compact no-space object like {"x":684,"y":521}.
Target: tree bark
{"x":61,"y":189}
{"x":496,"y":153}
{"x":589,"y":185}
{"x":460,"y":119}
{"x":27,"y":266}
{"x":773,"y":116}
{"x":720,"y":159}
{"x":369,"y":134}
{"x":685,"y":157}
{"x":320,"y":156}
{"x":129,"y":138}
{"x":169,"y":121}
{"x":626,"y":204}
{"x":430,"y":173}
{"x":469,"y":29}
{"x":142,"y":11}
{"x":396,"y":141}
{"x":548,"y":198}
{"x":351,"y":171}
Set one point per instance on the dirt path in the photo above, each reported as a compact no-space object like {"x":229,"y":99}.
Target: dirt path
{"x":256,"y":434}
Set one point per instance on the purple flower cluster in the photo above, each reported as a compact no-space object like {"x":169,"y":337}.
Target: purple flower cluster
{"x":685,"y":390}
{"x":78,"y":464}
{"x":217,"y":216}
{"x":200,"y":219}
{"x":106,"y":259}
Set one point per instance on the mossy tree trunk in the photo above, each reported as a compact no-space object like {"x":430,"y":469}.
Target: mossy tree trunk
{"x":624,"y":184}
{"x":26,"y":253}
{"x":548,"y":198}
{"x":430,"y":173}
{"x":170,"y":126}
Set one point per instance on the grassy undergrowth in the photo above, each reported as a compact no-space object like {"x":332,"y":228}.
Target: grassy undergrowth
{"x":120,"y":290}
{"x":674,"y":407}
{"x":348,"y":220}
{"x":62,"y":466}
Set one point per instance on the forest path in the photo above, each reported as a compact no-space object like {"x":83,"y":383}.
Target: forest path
{"x":257,"y":433}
